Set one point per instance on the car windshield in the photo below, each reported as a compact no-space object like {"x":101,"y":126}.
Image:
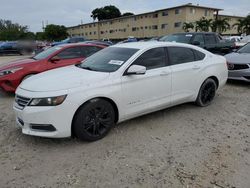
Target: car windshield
{"x":245,"y":49}
{"x":47,"y":53}
{"x":183,"y":38}
{"x":108,"y":60}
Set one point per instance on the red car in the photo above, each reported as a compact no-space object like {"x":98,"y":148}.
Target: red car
{"x":12,"y":74}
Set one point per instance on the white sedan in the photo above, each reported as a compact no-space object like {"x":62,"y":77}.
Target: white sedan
{"x":116,"y":84}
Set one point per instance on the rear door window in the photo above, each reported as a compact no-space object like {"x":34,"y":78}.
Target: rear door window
{"x":210,"y":39}
{"x":179,"y":55}
{"x":70,"y":53}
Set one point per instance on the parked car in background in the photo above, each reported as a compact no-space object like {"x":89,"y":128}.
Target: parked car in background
{"x":17,"y":47}
{"x":236,"y":40}
{"x":69,"y":40}
{"x":207,"y":40}
{"x":12,"y":74}
{"x":116,"y":84}
{"x":239,"y":64}
{"x":244,"y":40}
{"x":9,"y":48}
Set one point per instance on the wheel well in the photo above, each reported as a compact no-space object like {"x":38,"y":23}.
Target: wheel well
{"x":104,"y":98}
{"x":215,"y":79}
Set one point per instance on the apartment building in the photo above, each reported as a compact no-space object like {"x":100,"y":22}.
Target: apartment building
{"x":150,"y":24}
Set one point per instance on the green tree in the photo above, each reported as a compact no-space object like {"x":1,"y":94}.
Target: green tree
{"x":203,"y":24}
{"x":243,"y":25}
{"x":55,"y":32}
{"x":240,"y":26}
{"x":186,"y":26}
{"x":127,"y":14}
{"x":105,"y":13}
{"x":12,"y":31}
{"x":220,"y":25}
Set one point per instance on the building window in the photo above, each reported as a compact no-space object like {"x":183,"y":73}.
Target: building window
{"x":205,"y":13}
{"x":141,"y":27}
{"x":149,"y":27}
{"x":164,"y":26}
{"x":102,"y":32}
{"x":146,"y":27}
{"x":133,"y":28}
{"x":94,"y":32}
{"x":86,"y":34}
{"x":146,"y":16}
{"x":111,"y":23}
{"x":111,"y":31}
{"x":165,"y":13}
{"x":154,"y":27}
{"x":177,"y":24}
{"x":90,"y":26}
{"x":141,"y":17}
{"x":192,"y":10}
{"x":177,"y":11}
{"x":155,"y":15}
{"x":90,"y":33}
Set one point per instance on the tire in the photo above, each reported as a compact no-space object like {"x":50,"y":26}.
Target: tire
{"x":206,"y":93}
{"x":93,"y":120}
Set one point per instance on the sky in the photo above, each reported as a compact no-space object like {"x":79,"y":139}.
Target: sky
{"x":72,"y":12}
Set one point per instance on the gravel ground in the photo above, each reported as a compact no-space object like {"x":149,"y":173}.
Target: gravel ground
{"x":184,"y":146}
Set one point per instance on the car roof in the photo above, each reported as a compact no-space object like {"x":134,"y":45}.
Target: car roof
{"x":79,"y":44}
{"x":152,"y":44}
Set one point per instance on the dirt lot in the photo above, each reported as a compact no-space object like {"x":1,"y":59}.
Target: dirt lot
{"x":184,"y":146}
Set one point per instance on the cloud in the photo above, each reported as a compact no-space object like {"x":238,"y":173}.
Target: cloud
{"x":69,"y":13}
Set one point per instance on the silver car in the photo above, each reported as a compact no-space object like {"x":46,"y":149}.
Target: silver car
{"x":239,"y":64}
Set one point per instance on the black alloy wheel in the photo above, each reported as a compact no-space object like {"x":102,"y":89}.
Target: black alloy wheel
{"x":94,"y":120}
{"x":206,"y":93}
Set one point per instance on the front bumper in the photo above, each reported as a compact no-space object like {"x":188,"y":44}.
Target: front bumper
{"x":243,"y":75}
{"x":7,"y":85}
{"x":57,"y":118}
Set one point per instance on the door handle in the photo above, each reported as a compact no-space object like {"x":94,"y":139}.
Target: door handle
{"x":196,"y":67}
{"x":164,"y":73}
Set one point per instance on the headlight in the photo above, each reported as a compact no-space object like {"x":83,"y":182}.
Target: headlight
{"x":9,"y":71}
{"x":50,"y":101}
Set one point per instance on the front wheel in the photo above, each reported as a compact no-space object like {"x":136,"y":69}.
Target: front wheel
{"x":206,"y":93}
{"x":94,"y":120}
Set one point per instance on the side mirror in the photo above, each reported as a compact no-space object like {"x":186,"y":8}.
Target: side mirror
{"x":55,"y":59}
{"x":196,"y":43}
{"x":136,"y":69}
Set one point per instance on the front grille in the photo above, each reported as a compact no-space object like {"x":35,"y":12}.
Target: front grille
{"x":232,"y":66}
{"x":22,"y":101}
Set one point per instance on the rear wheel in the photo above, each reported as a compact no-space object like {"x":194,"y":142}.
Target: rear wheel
{"x":94,"y":120}
{"x":206,"y":93}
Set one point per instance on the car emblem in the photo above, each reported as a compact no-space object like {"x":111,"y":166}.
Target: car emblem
{"x":230,"y":66}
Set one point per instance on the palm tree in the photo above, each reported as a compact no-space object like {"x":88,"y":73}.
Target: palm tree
{"x":203,"y":24}
{"x":220,"y":25}
{"x":186,"y":26}
{"x":243,"y":25}
{"x":240,"y":26}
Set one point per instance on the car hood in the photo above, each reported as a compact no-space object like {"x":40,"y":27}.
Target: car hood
{"x":63,"y":79}
{"x":15,"y":64}
{"x":238,"y":58}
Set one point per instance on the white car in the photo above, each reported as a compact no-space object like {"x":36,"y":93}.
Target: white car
{"x":116,"y":84}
